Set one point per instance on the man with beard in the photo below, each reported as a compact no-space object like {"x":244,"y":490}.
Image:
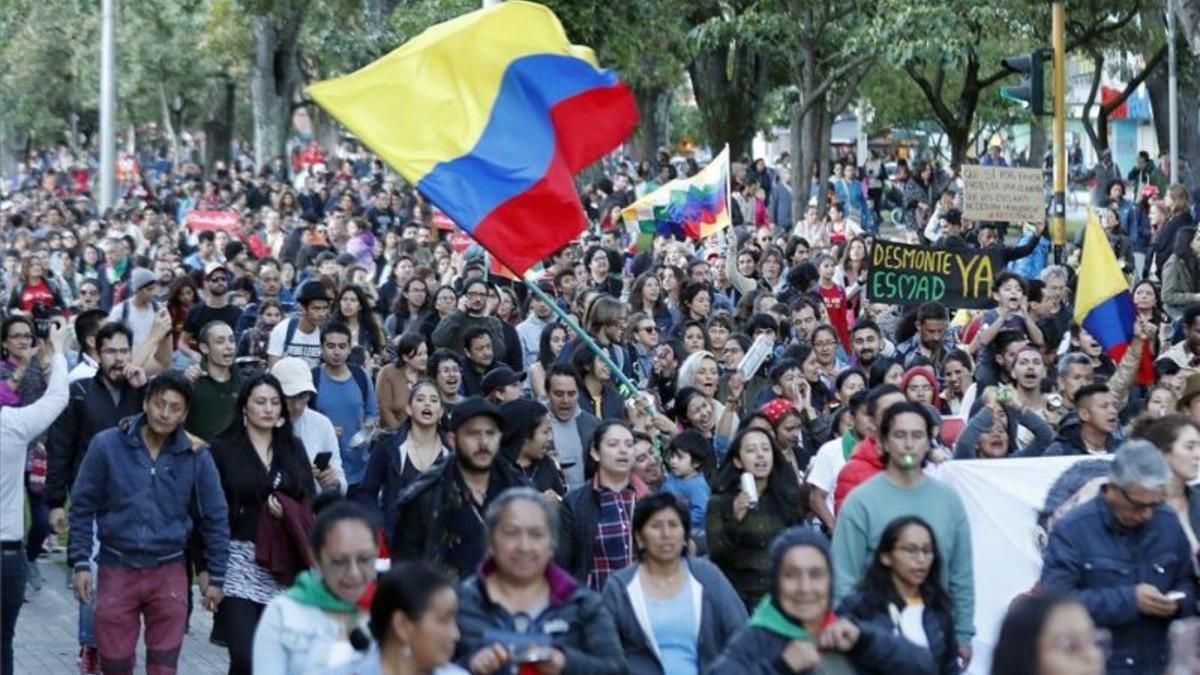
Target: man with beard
{"x":452,"y":330}
{"x":215,"y":392}
{"x":867,"y":343}
{"x":1027,"y":374}
{"x":932,"y":342}
{"x":1093,"y":429}
{"x":441,"y":515}
{"x":216,"y":307}
{"x":95,"y":404}
{"x":571,"y":425}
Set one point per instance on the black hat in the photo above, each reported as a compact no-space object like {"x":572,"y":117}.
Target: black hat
{"x":498,"y":378}
{"x":473,"y":407}
{"x":313,"y":290}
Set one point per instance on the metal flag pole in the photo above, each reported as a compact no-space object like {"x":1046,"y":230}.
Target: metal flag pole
{"x":627,"y":388}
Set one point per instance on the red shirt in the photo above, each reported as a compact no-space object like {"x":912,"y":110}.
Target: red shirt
{"x":839,"y":315}
{"x":36,"y":294}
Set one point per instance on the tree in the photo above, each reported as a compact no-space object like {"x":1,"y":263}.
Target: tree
{"x":733,"y":66}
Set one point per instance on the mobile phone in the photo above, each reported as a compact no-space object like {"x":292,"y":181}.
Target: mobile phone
{"x":1176,"y":596}
{"x":321,"y":461}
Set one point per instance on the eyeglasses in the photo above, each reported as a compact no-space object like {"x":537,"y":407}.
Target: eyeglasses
{"x":1135,"y":503}
{"x":649,"y":329}
{"x":914,"y":551}
{"x":825,"y":343}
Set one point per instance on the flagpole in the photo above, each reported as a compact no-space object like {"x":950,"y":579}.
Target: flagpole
{"x":627,"y":389}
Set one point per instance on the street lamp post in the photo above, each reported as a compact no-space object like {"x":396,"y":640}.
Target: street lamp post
{"x":1172,"y":94}
{"x":108,"y":103}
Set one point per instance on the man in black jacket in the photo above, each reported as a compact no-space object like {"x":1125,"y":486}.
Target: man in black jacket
{"x":441,"y":515}
{"x":96,"y":404}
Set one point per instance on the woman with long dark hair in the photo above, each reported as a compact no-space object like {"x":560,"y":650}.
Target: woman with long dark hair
{"x":526,"y":440}
{"x":396,"y":378}
{"x":740,"y":525}
{"x":647,"y":296}
{"x":1181,"y":274}
{"x":412,"y":310}
{"x":366,"y":337}
{"x":402,"y":455}
{"x":1048,"y":634}
{"x":264,"y":471}
{"x":550,"y":345}
{"x":901,"y":592}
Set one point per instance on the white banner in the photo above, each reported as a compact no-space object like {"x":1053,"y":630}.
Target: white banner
{"x":1011,"y":504}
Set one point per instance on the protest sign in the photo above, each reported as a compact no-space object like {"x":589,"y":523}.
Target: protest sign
{"x":213,"y":221}
{"x":1003,"y":194}
{"x":1012,"y":505}
{"x":904,"y":274}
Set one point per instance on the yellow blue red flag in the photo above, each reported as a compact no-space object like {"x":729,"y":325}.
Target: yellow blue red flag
{"x":1103,"y":304}
{"x":490,"y":115}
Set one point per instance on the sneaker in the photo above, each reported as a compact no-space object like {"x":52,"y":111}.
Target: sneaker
{"x":89,"y":660}
{"x":34,"y":578}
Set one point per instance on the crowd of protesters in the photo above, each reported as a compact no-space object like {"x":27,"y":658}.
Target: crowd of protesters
{"x":277,"y":411}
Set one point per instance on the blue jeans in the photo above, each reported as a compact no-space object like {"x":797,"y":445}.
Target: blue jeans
{"x":12,"y":596}
{"x":87,"y":610}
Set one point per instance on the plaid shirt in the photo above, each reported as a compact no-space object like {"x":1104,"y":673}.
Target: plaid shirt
{"x":613,"y":549}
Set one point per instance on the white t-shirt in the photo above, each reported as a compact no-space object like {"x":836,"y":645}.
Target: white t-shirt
{"x":826,"y":465}
{"x":303,"y":345}
{"x":316,"y":432}
{"x":138,"y":319}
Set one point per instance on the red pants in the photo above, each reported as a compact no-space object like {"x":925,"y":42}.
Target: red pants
{"x":125,"y":596}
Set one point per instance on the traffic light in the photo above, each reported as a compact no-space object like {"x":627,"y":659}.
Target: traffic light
{"x":1030,"y":92}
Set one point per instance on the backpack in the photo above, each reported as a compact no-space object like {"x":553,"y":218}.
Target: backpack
{"x":125,"y":309}
{"x":360,"y":378}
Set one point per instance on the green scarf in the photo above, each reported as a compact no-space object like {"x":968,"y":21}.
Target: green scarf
{"x":310,"y":590}
{"x":848,"y":442}
{"x":767,"y":615}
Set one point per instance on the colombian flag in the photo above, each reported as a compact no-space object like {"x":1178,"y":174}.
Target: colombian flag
{"x":1103,"y":303}
{"x":490,"y":115}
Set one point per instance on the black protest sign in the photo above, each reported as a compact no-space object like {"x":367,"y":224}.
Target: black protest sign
{"x":903,"y":274}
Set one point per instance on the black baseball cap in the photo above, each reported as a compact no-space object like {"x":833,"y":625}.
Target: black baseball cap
{"x":471,"y":408}
{"x":498,"y":378}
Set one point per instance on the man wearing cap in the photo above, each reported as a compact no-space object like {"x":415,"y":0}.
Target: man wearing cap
{"x":311,"y":427}
{"x":441,"y":514}
{"x":137,"y":311}
{"x":300,"y":335}
{"x":502,"y":385}
{"x":216,"y":307}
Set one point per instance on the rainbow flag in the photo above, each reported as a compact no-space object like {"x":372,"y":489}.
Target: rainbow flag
{"x":690,"y":207}
{"x":490,"y":115}
{"x":1103,"y":303}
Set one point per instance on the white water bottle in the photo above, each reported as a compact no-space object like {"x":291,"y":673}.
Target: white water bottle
{"x":750,"y":488}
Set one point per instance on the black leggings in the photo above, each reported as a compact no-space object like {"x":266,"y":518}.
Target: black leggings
{"x":239,"y":618}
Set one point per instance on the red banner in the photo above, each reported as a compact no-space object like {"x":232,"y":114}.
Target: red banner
{"x":460,"y":241}
{"x":201,"y":221}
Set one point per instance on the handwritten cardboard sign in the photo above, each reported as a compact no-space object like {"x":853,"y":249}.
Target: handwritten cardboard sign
{"x":903,"y":274}
{"x":1003,"y":194}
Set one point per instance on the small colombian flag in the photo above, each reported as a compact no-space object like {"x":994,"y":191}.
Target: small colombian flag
{"x":1103,"y":303}
{"x":490,"y":115}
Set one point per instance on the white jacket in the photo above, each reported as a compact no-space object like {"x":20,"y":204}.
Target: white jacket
{"x":18,"y":428}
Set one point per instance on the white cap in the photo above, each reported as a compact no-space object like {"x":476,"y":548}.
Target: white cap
{"x":294,"y":376}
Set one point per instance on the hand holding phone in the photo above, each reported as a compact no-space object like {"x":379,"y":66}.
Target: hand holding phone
{"x":321,"y":461}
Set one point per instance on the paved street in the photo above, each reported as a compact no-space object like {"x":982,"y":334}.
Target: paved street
{"x":46,"y":632}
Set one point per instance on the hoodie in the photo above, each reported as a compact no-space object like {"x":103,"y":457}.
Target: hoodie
{"x":864,"y":463}
{"x":1070,"y":438}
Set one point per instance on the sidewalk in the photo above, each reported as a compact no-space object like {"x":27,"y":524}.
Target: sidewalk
{"x":46,"y":632}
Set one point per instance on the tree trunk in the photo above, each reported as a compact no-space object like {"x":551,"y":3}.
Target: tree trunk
{"x":1187,"y":19}
{"x":168,"y":123}
{"x":654,"y":106}
{"x":825,"y":131}
{"x":273,"y":81}
{"x":218,"y":130}
{"x":730,"y":83}
{"x":1189,"y":126}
